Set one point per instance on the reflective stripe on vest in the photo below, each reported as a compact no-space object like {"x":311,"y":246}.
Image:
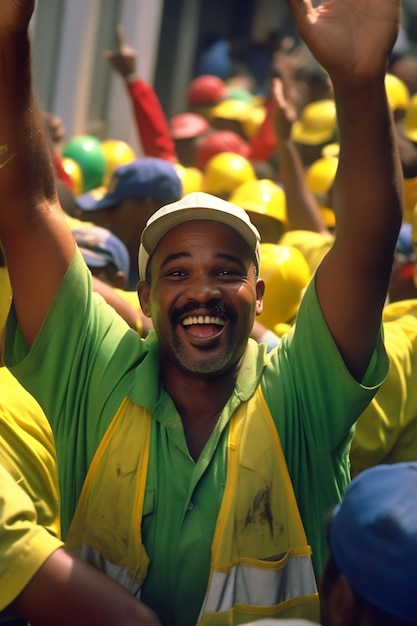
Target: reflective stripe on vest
{"x":245,"y":584}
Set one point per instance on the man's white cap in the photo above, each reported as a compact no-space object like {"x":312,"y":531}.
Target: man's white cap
{"x":196,"y":206}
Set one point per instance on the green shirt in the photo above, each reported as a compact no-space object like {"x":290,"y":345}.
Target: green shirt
{"x":85,"y":360}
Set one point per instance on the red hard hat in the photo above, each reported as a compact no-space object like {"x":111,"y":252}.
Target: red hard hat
{"x":187,"y":125}
{"x":220,"y":141}
{"x":206,"y":89}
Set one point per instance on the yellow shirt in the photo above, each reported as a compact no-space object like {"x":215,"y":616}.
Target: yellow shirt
{"x":387,"y":430}
{"x":27,"y":449}
{"x":25,"y":545}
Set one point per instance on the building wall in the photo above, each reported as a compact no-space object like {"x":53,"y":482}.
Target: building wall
{"x":73,"y":79}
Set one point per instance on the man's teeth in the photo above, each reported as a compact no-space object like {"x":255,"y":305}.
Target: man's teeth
{"x":203,"y":319}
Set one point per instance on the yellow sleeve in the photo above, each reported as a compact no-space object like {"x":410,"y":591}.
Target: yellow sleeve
{"x":27,"y":450}
{"x":387,"y":430}
{"x":24,"y":545}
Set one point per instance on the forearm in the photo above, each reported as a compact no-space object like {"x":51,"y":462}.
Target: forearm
{"x":368,"y":184}
{"x":151,"y":122}
{"x":67,"y":591}
{"x":26,"y":169}
{"x":37,"y":242}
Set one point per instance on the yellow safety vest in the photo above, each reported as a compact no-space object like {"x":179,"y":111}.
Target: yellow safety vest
{"x":261,"y":562}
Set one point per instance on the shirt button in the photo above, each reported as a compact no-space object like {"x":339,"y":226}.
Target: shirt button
{"x":190,"y":507}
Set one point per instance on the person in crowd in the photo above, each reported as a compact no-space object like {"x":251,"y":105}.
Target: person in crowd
{"x":241,"y":451}
{"x":151,"y":123}
{"x":105,"y":254}
{"x":374,"y":524}
{"x":372,"y":535}
{"x":135,"y":191}
{"x":188,"y":130}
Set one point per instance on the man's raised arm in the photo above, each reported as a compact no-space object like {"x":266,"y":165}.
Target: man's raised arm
{"x":352,"y":40}
{"x":37,"y":243}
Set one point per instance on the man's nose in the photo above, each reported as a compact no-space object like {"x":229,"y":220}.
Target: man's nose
{"x":203,"y":288}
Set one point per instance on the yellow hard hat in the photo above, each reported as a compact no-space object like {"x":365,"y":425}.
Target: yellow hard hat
{"x":191,"y":178}
{"x":281,"y":329}
{"x":254,"y":121}
{"x":320,"y":175}
{"x":328,"y":215}
{"x":261,"y":196}
{"x":398,"y":93}
{"x":231,"y":109}
{"x":74,"y":171}
{"x":225,"y":171}
{"x":319,"y":178}
{"x":331,"y":149}
{"x":410,"y":120}
{"x":317,"y":123}
{"x":117,"y":153}
{"x":286,"y":274}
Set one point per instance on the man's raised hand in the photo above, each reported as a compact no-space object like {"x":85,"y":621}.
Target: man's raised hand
{"x":351,"y":39}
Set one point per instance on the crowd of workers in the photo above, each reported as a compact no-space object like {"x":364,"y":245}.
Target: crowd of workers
{"x":211,"y":347}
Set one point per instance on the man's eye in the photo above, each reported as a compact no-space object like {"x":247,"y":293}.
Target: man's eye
{"x":229,"y":272}
{"x":176,"y":273}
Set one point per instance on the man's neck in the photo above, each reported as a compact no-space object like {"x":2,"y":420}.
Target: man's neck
{"x":199,"y":401}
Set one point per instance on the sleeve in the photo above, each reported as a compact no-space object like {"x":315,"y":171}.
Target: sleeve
{"x":80,"y":367}
{"x":320,"y":393}
{"x":315,"y":402}
{"x":386,"y":431}
{"x":24,"y":545}
{"x":151,"y":123}
{"x":263,"y":144}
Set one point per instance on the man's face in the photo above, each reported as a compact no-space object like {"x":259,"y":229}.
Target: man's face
{"x":203,"y":297}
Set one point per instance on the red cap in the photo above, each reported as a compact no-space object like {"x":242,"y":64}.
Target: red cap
{"x":220,"y":141}
{"x":187,"y":125}
{"x":206,"y":89}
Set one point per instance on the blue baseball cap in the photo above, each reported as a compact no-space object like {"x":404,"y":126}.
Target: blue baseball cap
{"x":145,"y":177}
{"x":404,"y":245}
{"x":100,"y":247}
{"x":373,"y":537}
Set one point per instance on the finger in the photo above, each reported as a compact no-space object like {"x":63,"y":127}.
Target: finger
{"x":300,"y":7}
{"x":118,"y":31}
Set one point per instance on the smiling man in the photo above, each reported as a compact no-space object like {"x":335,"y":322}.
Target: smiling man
{"x":194,"y":468}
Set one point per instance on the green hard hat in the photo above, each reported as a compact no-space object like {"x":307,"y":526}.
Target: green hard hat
{"x":86,"y":150}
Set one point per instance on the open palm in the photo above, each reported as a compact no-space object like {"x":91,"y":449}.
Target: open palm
{"x":350,"y":38}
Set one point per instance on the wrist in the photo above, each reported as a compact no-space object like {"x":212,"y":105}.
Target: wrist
{"x":131,"y":78}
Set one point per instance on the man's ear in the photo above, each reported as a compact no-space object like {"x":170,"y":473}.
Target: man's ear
{"x":260,"y":290}
{"x":144,"y":297}
{"x":341,"y":603}
{"x":120,"y":280}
